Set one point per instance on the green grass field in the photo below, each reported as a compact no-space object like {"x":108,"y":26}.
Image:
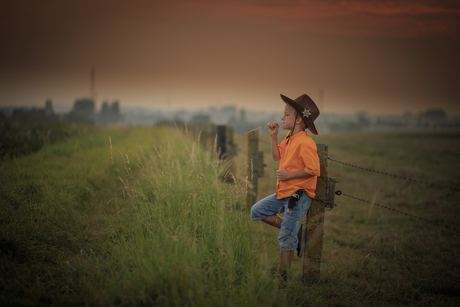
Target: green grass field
{"x":373,"y":256}
{"x":140,"y":216}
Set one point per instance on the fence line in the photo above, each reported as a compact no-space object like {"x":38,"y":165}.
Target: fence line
{"x":211,"y":136}
{"x":312,"y":238}
{"x":408,"y":214}
{"x":332,"y":205}
{"x":399,"y":177}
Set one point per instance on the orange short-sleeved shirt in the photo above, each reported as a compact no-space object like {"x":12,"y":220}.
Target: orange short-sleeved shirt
{"x":299,"y":154}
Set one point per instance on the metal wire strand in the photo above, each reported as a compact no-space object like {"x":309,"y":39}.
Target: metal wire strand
{"x":410,"y":215}
{"x":399,"y":177}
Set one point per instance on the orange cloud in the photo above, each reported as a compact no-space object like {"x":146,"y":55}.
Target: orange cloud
{"x":373,"y":18}
{"x":404,"y":18}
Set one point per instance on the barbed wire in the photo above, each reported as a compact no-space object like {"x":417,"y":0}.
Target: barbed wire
{"x":399,"y":177}
{"x":398,"y":211}
{"x":332,"y":205}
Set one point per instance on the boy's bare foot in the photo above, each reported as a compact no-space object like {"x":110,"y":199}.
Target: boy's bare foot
{"x":283,"y":275}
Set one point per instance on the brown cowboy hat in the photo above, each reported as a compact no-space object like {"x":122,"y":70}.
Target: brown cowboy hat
{"x":306,"y":108}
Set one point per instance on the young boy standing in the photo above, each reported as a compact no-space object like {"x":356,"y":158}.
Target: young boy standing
{"x":296,"y":176}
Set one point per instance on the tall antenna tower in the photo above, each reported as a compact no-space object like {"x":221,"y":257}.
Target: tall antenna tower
{"x":321,"y":99}
{"x":93,"y":77}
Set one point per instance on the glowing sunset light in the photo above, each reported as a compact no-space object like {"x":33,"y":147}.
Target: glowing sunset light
{"x":375,"y":14}
{"x":378,"y":56}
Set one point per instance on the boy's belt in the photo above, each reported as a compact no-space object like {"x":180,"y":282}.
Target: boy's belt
{"x":294,"y":199}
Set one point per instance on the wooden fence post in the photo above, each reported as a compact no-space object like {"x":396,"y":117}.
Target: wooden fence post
{"x":226,"y":150}
{"x":255,"y":166}
{"x":221,"y":143}
{"x":314,"y":228}
{"x":230,"y":144}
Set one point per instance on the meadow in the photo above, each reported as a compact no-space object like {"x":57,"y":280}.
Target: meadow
{"x":373,"y":256}
{"x":140,"y":216}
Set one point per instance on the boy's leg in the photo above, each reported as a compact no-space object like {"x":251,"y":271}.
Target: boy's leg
{"x":274,"y":221}
{"x":290,"y":226}
{"x":266,"y":209}
{"x":285,"y":262}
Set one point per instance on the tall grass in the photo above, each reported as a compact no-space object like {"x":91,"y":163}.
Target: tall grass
{"x":185,"y":240}
{"x":127,"y":217}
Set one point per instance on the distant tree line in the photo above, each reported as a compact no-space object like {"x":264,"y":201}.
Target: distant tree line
{"x":431,"y":119}
{"x":83,"y":110}
{"x":30,"y":115}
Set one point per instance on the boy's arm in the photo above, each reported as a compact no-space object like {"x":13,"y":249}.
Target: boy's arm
{"x":283,"y":174}
{"x":310,"y":158}
{"x":273,"y":130}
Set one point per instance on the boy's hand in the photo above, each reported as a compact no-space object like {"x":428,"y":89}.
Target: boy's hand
{"x":282,"y":175}
{"x":273,"y":129}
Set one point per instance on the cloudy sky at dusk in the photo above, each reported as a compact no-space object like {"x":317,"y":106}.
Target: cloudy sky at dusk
{"x":378,"y":56}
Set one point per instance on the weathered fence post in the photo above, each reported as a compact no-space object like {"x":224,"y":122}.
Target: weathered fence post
{"x":230,"y":144}
{"x":226,"y":150}
{"x":314,"y":228}
{"x":221,"y":143}
{"x":255,"y":166}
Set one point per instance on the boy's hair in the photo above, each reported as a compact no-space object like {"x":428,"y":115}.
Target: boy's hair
{"x":296,"y":114}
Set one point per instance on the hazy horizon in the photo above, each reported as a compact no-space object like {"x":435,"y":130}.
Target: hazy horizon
{"x":374,"y":56}
{"x":65,"y":108}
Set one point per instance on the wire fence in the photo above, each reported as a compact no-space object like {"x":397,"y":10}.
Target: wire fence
{"x":404,"y":213}
{"x":404,"y":178}
{"x":433,"y":185}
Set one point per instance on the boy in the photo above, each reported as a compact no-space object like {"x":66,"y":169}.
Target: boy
{"x":296,"y":176}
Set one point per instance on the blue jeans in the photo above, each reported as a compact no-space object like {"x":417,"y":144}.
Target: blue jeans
{"x":292,"y":221}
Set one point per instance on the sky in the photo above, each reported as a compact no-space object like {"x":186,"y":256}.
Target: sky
{"x":348,"y":56}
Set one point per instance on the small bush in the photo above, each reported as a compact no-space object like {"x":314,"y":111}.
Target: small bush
{"x":21,"y":140}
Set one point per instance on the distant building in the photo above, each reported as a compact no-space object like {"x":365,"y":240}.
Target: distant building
{"x":363,"y":119}
{"x":109,"y":114}
{"x":49,"y":112}
{"x":104,"y":114}
{"x":433,"y":118}
{"x":83,"y":110}
{"x":115,"y":112}
{"x":230,"y":111}
{"x":201,"y":119}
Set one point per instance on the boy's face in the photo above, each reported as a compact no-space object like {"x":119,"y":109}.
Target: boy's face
{"x":289,"y":117}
